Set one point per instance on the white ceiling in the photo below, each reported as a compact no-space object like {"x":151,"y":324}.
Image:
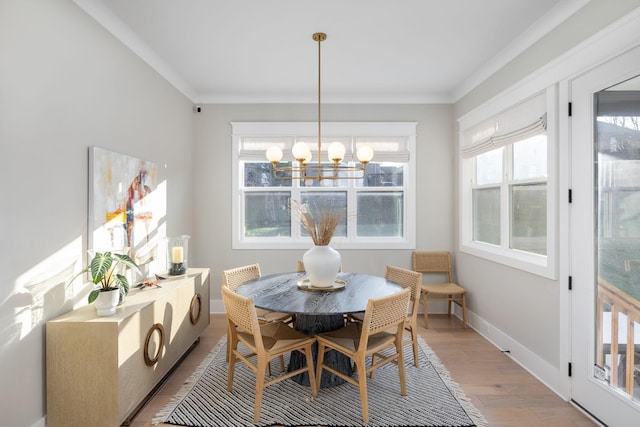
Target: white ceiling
{"x":377,"y":51}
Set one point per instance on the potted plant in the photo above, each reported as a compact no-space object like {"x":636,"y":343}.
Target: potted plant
{"x":113,"y":286}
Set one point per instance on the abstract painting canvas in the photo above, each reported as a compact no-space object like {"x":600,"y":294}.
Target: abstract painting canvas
{"x":127,"y":206}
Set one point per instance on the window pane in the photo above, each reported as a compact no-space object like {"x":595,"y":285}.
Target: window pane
{"x":261,"y":175}
{"x":380,"y":214}
{"x":530,"y":158}
{"x":334,"y":201}
{"x":529,"y":218}
{"x":486,"y":215}
{"x":489,"y":167}
{"x":266,"y":214}
{"x":383,"y":175}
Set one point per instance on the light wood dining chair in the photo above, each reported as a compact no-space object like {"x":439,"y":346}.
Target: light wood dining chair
{"x":235,"y":277}
{"x":358,"y":340}
{"x":439,"y":262}
{"x":412,"y":280}
{"x":232,"y":279}
{"x":266,"y":342}
{"x":407,"y":279}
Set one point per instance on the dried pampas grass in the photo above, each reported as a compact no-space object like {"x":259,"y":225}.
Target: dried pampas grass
{"x":321,"y":224}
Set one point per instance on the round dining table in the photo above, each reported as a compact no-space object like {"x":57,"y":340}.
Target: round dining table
{"x":317,"y":310}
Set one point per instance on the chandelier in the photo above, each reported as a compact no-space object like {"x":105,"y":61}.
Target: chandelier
{"x":305,"y":169}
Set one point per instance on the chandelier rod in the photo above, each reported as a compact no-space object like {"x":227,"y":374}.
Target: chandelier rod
{"x":319,"y":37}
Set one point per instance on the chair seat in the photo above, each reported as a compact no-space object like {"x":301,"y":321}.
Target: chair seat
{"x":443,"y":288}
{"x":277,"y":337}
{"x":265,"y":316}
{"x":346,"y":339}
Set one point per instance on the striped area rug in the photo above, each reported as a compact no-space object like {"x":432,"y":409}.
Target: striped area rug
{"x":433,"y":398}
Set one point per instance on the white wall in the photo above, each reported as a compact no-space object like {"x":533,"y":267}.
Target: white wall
{"x":66,"y":84}
{"x":212,"y":184}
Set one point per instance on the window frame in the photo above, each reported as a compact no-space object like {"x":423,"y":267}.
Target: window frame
{"x":329,"y":129}
{"x":542,"y":265}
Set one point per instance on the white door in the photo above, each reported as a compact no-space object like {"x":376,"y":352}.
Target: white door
{"x":605,"y":240}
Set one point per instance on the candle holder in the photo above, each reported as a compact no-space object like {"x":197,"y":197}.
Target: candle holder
{"x":177,"y":255}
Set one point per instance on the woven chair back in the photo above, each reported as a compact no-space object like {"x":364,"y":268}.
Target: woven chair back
{"x":432,"y":262}
{"x":384,"y":313}
{"x":235,"y":277}
{"x":241,"y":312}
{"x":405,"y":278}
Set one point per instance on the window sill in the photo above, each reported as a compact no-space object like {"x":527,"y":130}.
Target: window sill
{"x":525,"y":261}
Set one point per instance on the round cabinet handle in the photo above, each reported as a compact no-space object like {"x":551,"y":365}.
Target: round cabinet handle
{"x":195,"y":309}
{"x":150,"y":361}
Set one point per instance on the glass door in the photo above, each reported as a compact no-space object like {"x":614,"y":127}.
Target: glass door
{"x":605,"y":240}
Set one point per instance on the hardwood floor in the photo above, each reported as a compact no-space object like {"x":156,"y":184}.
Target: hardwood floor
{"x":502,"y":390}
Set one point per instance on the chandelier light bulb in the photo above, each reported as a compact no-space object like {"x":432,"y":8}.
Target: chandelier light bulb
{"x":300,"y":150}
{"x":308,"y":158}
{"x":365,"y":154}
{"x":274,"y":154}
{"x":336,"y":152}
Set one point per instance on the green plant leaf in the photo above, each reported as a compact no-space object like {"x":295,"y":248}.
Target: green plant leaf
{"x":122,"y":282}
{"x":100,"y":265}
{"x":93,"y":295}
{"x":126,"y":260}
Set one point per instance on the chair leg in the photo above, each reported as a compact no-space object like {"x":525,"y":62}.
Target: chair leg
{"x":425,"y":309}
{"x":414,"y":342}
{"x":464,"y":311}
{"x":373,"y":362}
{"x":231,"y":370}
{"x":312,"y":376}
{"x":403,"y":382}
{"x":449,"y":305}
{"x":319,"y":362}
{"x":361,"y":368}
{"x":228,"y":356}
{"x":260,"y":373}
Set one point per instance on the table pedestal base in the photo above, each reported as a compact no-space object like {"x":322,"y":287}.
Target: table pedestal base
{"x":312,"y":325}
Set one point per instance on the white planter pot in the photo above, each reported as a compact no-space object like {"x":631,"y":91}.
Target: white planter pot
{"x":322,"y":264}
{"x":106,"y":302}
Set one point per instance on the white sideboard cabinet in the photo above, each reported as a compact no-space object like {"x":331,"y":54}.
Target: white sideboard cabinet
{"x":101,"y":370}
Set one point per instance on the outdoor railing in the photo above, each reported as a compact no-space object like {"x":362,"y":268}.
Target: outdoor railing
{"x":619,"y":303}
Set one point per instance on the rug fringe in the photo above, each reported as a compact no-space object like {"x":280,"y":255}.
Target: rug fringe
{"x":168,"y":408}
{"x":476,"y":416}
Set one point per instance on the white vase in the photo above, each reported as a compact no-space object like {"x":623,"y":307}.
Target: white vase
{"x":106,"y":302}
{"x":322,"y":264}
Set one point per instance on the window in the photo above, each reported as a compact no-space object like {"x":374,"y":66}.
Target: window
{"x":507,"y":187}
{"x":378,"y":208}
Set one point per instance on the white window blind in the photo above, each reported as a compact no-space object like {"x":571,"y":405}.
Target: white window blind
{"x":524,"y":120}
{"x":386,"y":148}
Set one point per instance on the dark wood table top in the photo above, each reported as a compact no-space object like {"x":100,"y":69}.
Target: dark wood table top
{"x":280,"y":292}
